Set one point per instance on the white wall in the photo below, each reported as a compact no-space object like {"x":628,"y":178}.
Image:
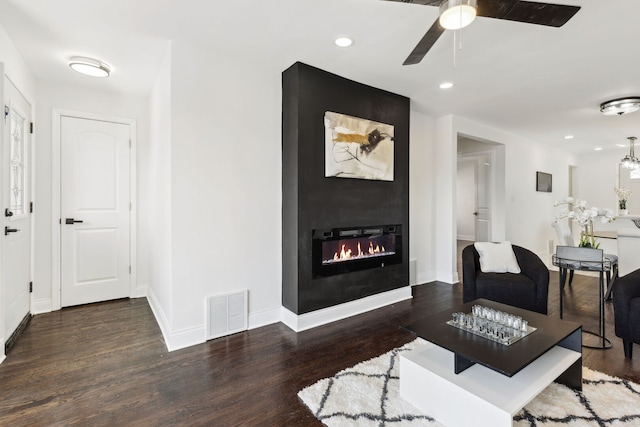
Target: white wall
{"x":16,"y":68}
{"x":50,"y":96}
{"x":225,"y":189}
{"x":597,"y":175}
{"x":159,"y":197}
{"x":422,"y":196}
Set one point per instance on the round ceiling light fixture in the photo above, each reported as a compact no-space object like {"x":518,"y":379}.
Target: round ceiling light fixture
{"x":89,"y":67}
{"x":446,"y":85}
{"x":620,"y":106}
{"x":456,"y":14}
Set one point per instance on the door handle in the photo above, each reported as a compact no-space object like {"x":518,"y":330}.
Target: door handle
{"x":8,"y":230}
{"x":475,"y":213}
{"x":72,"y":221}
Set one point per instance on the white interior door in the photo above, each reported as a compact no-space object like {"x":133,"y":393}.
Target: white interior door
{"x":16,"y":208}
{"x":483,"y":199}
{"x":95,"y":205}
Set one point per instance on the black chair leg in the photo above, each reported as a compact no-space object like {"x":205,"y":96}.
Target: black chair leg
{"x":628,"y":348}
{"x":570,"y":276}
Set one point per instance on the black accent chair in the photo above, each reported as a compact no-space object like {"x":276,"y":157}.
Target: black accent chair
{"x":626,"y":306}
{"x":528,"y":290}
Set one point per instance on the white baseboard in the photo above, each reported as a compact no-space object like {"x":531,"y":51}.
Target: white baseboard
{"x":264,"y":318}
{"x":140,"y":290}
{"x":427,"y":277}
{"x":2,"y":357}
{"x":174,"y":340}
{"x":43,"y":305}
{"x":158,"y":313}
{"x":466,"y":237}
{"x":321,"y":317}
{"x":187,"y":337}
{"x":449,"y":278}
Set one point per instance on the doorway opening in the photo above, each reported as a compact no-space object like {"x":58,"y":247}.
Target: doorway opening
{"x":480,"y":193}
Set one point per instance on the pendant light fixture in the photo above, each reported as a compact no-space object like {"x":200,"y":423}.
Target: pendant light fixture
{"x":89,"y":66}
{"x":620,"y":106}
{"x":456,"y":14}
{"x":631,"y":161}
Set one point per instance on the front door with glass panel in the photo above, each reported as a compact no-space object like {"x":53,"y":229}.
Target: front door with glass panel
{"x":16,"y":208}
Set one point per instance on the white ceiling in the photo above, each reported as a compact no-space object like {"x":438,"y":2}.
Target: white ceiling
{"x":539,"y":82}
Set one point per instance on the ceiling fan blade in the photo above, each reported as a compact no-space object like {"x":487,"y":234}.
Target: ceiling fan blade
{"x":552,"y":15}
{"x":424,"y":2}
{"x":425,"y":44}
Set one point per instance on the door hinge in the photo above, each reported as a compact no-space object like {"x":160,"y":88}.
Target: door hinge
{"x":6,"y":113}
{"x":129,"y":143}
{"x":31,"y":127}
{"x":30,"y":287}
{"x":130,"y":206}
{"x":129,"y":269}
{"x":30,"y":207}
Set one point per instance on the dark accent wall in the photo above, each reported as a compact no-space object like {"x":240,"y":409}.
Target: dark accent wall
{"x":311,"y":201}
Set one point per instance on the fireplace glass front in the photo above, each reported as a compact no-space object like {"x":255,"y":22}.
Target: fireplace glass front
{"x":343,"y":250}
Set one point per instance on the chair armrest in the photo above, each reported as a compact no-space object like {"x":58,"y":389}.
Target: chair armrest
{"x":625,"y":289}
{"x":532,"y":266}
{"x":470,"y":268}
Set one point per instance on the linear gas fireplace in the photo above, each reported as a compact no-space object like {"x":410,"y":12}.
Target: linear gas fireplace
{"x":344,"y":250}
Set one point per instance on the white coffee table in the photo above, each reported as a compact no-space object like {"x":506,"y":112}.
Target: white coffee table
{"x":478,"y":396}
{"x":493,"y":382}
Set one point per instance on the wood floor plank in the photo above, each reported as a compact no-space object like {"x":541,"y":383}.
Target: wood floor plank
{"x":106,"y":364}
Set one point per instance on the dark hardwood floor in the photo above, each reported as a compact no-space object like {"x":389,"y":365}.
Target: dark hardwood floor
{"x":106,"y":364}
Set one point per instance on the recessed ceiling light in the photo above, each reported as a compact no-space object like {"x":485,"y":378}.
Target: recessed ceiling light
{"x":568,"y":137}
{"x":621,"y":145}
{"x":598,"y":149}
{"x":343,"y":41}
{"x":446,"y":85}
{"x":90,"y":67}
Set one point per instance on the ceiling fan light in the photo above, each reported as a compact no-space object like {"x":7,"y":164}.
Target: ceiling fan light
{"x":89,"y":67}
{"x":456,"y":14}
{"x":620,"y":106}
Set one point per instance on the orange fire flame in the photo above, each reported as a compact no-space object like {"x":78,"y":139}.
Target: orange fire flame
{"x":347,"y":253}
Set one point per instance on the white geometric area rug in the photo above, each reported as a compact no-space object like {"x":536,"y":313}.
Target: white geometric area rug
{"x":367,"y":394}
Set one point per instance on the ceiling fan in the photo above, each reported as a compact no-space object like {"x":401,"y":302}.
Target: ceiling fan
{"x":552,"y":15}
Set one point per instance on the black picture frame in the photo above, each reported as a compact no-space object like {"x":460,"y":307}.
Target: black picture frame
{"x":544,"y":182}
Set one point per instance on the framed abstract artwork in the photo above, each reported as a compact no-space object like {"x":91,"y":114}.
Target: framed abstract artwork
{"x":357,"y":148}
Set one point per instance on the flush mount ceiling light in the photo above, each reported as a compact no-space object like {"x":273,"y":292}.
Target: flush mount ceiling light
{"x":446,"y":85}
{"x":620,"y":106}
{"x":631,"y":161}
{"x":456,"y":14}
{"x":343,"y":41}
{"x":90,"y":67}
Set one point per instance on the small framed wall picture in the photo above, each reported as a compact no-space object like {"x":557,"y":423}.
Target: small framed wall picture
{"x":543,"y":182}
